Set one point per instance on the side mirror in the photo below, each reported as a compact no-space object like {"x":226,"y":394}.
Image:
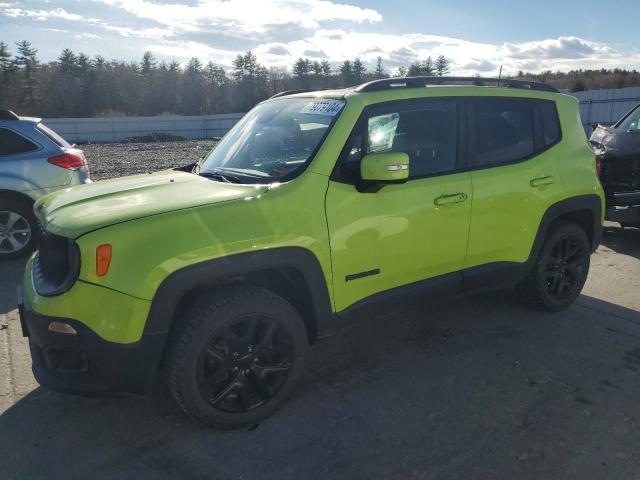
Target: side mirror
{"x":378,"y":169}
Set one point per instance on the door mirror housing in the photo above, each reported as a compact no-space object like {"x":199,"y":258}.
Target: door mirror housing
{"x":385,"y":167}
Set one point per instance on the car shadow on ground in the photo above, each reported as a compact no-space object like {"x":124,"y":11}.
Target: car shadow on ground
{"x":622,"y":240}
{"x":10,"y":277}
{"x":478,"y":387}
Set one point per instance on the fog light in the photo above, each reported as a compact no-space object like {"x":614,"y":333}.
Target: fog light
{"x":60,"y":327}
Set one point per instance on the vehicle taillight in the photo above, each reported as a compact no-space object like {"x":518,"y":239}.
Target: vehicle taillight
{"x":71,"y":158}
{"x":599,"y":168}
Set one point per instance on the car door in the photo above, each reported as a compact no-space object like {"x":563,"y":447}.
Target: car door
{"x":401,"y":233}
{"x":514,"y":174}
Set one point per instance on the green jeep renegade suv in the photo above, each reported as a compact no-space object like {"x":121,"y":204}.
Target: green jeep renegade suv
{"x":316,"y":204}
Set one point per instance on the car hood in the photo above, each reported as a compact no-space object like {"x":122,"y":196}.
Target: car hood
{"x":77,"y":210}
{"x":615,"y":142}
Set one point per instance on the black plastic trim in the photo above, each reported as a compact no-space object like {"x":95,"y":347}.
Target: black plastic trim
{"x":111,"y":368}
{"x":425,"y":81}
{"x":46,"y":288}
{"x":445,"y":285}
{"x":176,"y":285}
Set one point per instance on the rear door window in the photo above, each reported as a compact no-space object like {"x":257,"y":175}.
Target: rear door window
{"x":503,"y":131}
{"x":12,"y":143}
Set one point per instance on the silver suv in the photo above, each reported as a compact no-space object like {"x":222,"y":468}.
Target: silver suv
{"x":34,"y":160}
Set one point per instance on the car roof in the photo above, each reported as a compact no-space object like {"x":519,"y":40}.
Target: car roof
{"x":397,"y":84}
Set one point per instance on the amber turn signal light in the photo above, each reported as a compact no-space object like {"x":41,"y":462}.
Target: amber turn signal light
{"x":103,"y":259}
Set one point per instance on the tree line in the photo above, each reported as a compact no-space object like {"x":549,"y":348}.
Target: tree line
{"x":76,"y":85}
{"x":579,"y":80}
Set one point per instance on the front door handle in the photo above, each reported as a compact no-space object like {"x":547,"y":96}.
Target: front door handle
{"x":542,"y":181}
{"x":448,"y":199}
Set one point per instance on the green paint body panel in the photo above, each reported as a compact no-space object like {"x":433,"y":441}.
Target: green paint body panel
{"x":160,"y":223}
{"x":385,"y":167}
{"x":115,"y":316}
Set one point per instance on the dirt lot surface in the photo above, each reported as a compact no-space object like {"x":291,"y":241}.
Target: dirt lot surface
{"x":472,"y":388}
{"x":118,"y":159}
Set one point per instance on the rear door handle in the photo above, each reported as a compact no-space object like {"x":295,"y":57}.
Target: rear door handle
{"x":542,"y":181}
{"x":448,"y":199}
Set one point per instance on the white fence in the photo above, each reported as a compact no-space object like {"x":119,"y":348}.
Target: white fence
{"x":606,"y":106}
{"x":116,"y":129}
{"x":596,"y":106}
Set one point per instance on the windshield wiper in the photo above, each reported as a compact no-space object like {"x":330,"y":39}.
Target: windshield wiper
{"x":219,"y":176}
{"x":244,"y":172}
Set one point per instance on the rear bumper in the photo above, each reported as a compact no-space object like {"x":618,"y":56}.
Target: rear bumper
{"x":626,"y":215}
{"x":84,"y":363}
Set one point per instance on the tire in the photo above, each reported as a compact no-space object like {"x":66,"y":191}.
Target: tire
{"x":235,"y":358}
{"x":561,"y":270}
{"x":18,"y":229}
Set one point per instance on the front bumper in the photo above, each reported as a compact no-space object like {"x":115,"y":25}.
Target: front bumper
{"x":84,"y":363}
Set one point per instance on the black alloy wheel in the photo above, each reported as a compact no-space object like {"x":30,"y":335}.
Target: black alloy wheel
{"x":235,"y":355}
{"x":245,"y":364}
{"x":561,"y":270}
{"x":566,"y":268}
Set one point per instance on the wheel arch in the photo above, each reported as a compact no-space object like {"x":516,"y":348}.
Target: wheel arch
{"x":291,"y":272}
{"x":583,"y":210}
{"x":18,"y":196}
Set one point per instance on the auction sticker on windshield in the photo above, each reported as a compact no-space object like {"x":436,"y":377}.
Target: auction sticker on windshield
{"x":323,"y":107}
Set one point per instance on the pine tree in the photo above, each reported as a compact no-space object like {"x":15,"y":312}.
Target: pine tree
{"x":421,"y":68}
{"x":6,"y":74}
{"x":358,"y":71}
{"x":148,"y":64}
{"x":301,"y":70}
{"x":346,"y":74}
{"x":326,"y":68}
{"x":442,"y":66}
{"x":379,"y":71}
{"x":402,"y":72}
{"x":27,"y":63}
{"x":68,"y":62}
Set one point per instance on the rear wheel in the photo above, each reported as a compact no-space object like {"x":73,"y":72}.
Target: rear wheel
{"x":236,"y":357}
{"x":18,"y":229}
{"x":561,"y":270}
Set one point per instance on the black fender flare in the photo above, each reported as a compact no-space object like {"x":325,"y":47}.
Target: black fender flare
{"x":592,"y":203}
{"x":177,"y":284}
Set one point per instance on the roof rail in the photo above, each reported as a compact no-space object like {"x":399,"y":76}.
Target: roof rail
{"x":293,"y":92}
{"x":8,"y":115}
{"x":415,"y":82}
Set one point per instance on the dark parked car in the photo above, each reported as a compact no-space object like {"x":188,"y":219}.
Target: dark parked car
{"x":617,"y":150}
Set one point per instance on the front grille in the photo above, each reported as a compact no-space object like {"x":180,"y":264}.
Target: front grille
{"x":56,"y":265}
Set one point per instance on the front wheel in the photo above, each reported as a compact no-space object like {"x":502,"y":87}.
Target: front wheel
{"x":18,"y":229}
{"x":236,"y":357}
{"x":561,"y":270}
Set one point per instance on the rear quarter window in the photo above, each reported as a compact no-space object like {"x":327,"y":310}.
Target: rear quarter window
{"x":550,"y":122}
{"x":12,"y":143}
{"x":53,"y":136}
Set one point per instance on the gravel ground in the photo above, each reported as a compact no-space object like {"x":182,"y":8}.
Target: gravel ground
{"x":477,"y":387}
{"x":109,"y":160}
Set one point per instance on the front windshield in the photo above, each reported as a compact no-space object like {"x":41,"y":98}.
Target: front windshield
{"x":632,"y":122}
{"x":273,"y":142}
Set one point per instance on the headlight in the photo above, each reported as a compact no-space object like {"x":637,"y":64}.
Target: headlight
{"x":56,"y":266}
